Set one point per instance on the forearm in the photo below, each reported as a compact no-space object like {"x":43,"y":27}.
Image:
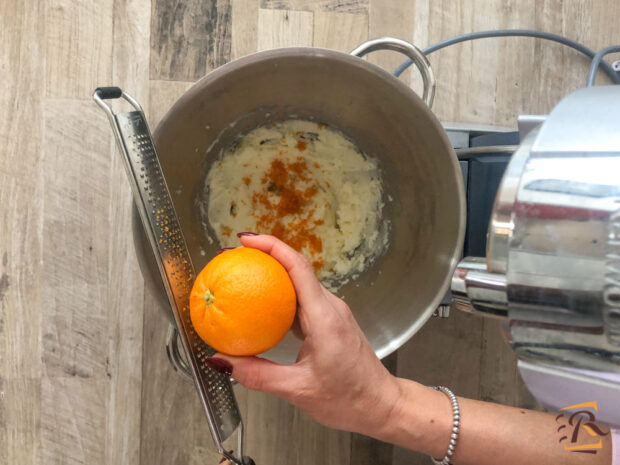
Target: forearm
{"x":489,"y":433}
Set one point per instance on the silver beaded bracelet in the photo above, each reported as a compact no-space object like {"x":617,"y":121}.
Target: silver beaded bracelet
{"x":456,"y":421}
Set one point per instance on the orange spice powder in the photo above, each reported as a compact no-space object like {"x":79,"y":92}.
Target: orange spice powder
{"x":282,"y":199}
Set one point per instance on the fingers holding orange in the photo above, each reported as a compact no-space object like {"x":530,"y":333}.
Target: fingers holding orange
{"x":263,"y":375}
{"x":298,"y":267}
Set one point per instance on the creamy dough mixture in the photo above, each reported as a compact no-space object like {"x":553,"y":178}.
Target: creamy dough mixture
{"x":306,"y":184}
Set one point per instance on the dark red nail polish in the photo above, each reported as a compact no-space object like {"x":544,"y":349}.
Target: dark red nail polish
{"x":219,"y":364}
{"x":224,"y":458}
{"x":241,"y":234}
{"x":225,"y":249}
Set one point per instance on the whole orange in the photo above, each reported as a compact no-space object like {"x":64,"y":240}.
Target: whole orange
{"x":243,"y":302}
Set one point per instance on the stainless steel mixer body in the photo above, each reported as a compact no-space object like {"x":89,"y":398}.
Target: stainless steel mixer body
{"x":552,"y":270}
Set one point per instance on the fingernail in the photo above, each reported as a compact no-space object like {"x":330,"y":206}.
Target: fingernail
{"x":224,"y":459}
{"x":219,"y":364}
{"x":225,"y":249}
{"x":241,"y":234}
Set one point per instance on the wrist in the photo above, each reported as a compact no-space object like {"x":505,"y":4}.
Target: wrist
{"x":378,"y":408}
{"x":420,"y":419}
{"x":402,"y":410}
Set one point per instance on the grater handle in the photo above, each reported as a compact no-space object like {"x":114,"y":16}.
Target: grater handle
{"x":106,"y":93}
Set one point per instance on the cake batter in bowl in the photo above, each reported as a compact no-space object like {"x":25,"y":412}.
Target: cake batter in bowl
{"x":306,"y":184}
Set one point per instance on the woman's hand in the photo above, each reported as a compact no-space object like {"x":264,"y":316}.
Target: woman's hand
{"x":337,"y":379}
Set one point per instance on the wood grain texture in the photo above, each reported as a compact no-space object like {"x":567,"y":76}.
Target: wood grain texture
{"x":20,"y":191}
{"x":75,"y":288}
{"x":510,"y":76}
{"x":219,"y":44}
{"x":22,"y":52}
{"x":83,"y":373}
{"x":91,"y":342}
{"x":131,"y":49}
{"x":281,"y":434}
{"x":244,"y":28}
{"x":73,"y":420}
{"x":78,"y":47}
{"x":20,"y":417}
{"x":74,"y":322}
{"x":189,"y":38}
{"x":340,"y":31}
{"x":465,"y":66}
{"x":284,"y":28}
{"x":338,"y":6}
{"x":162,"y":95}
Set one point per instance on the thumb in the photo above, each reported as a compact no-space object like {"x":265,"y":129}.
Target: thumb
{"x":259,"y":374}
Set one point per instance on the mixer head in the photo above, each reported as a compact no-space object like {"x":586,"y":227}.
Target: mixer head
{"x":552,"y":270}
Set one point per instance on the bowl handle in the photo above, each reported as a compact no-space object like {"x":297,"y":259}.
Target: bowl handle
{"x":177,"y":356}
{"x":173,"y":350}
{"x":411,"y":51}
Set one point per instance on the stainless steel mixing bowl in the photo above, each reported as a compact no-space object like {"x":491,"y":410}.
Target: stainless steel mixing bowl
{"x":385,"y":119}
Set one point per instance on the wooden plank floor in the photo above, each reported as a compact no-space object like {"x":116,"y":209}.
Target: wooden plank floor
{"x":83,"y":374}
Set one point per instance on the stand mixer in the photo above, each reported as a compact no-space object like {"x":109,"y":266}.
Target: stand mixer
{"x":552,"y":268}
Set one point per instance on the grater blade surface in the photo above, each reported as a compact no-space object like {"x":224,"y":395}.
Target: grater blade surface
{"x":163,"y":229}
